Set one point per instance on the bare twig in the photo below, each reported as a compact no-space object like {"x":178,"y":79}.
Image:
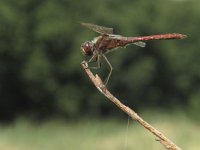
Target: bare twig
{"x":101,"y":87}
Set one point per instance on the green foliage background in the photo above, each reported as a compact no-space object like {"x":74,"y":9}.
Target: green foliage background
{"x":40,"y":72}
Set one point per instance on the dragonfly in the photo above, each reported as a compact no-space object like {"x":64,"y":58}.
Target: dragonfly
{"x":107,"y":42}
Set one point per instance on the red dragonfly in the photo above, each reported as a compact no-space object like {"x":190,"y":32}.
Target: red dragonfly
{"x":107,"y":41}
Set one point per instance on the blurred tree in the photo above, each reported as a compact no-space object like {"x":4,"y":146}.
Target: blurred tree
{"x":40,"y":71}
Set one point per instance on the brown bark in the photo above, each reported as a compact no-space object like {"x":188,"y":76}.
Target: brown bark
{"x":168,"y":144}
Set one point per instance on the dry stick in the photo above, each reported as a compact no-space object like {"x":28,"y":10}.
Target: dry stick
{"x":101,"y":87}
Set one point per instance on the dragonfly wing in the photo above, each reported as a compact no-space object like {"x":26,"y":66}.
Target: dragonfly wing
{"x":97,"y":28}
{"x":140,"y":44}
{"x":119,"y":37}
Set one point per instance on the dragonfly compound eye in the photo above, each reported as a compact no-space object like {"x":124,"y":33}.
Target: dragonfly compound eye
{"x":87,"y":48}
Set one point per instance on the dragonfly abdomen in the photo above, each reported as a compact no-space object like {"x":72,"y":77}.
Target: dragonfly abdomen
{"x":157,"y":37}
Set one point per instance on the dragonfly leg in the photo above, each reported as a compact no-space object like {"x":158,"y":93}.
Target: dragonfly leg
{"x":95,"y":58}
{"x":92,"y":59}
{"x":111,"y":68}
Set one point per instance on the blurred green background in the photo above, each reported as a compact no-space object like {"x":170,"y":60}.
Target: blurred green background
{"x":41,"y":77}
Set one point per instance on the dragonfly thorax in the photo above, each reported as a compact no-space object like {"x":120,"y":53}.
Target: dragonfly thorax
{"x":87,"y":48}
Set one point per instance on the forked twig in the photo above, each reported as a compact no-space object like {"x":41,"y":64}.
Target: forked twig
{"x":101,"y":87}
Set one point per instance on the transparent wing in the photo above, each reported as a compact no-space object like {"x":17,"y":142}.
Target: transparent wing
{"x":140,"y":44}
{"x":97,"y":28}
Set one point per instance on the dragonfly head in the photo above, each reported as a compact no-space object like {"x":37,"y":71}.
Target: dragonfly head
{"x":87,"y":48}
